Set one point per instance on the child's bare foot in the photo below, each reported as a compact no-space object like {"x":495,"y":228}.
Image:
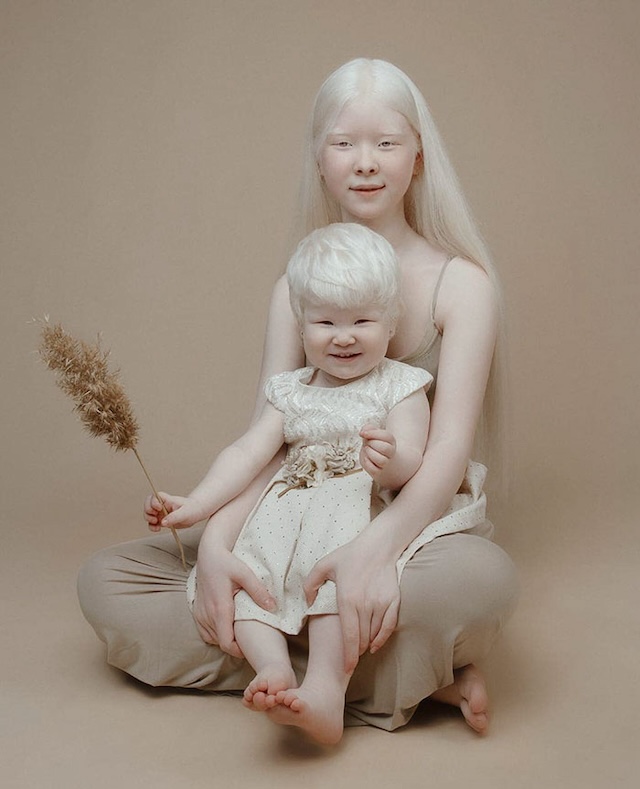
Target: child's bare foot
{"x":260,"y":694}
{"x":317,"y":711}
{"x":469,"y":692}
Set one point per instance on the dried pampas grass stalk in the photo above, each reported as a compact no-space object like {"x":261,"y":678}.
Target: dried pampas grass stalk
{"x":82,"y":372}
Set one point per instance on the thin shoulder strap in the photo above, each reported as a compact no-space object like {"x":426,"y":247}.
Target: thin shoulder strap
{"x":436,"y":290}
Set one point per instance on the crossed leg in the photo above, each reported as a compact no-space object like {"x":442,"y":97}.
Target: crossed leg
{"x":468,"y":691}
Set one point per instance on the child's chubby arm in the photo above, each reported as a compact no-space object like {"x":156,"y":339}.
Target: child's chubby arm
{"x":231,"y":472}
{"x":393,"y":454}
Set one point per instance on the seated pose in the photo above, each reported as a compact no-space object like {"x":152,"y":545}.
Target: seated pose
{"x":356,"y":426}
{"x":374,"y":158}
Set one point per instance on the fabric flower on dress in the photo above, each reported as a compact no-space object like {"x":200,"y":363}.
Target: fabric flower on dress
{"x":308,"y":466}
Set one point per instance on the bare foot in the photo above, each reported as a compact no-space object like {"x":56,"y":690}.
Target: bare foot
{"x":469,"y":692}
{"x":260,"y":694}
{"x":317,"y":711}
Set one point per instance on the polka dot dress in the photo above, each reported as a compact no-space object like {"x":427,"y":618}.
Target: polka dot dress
{"x":321,"y":499}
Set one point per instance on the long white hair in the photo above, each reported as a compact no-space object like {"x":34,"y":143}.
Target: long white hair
{"x":435,"y":206}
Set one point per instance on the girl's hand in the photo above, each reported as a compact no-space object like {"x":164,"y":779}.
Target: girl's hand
{"x":220,"y":576}
{"x":368,"y":596}
{"x":183,"y":512}
{"x":378,"y":448}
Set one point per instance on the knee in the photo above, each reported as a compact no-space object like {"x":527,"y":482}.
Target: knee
{"x":457,"y":581}
{"x":92,"y":585}
{"x":93,"y":569}
{"x":489,"y":579}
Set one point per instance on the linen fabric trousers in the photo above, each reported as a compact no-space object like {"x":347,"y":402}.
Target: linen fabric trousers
{"x":456,"y":593}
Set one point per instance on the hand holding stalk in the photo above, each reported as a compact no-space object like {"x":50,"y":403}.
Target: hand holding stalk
{"x":82,"y":372}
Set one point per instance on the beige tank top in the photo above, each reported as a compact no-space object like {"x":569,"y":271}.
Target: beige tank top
{"x":427,"y":354}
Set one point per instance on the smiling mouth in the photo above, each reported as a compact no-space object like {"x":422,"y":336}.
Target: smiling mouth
{"x":345,"y":355}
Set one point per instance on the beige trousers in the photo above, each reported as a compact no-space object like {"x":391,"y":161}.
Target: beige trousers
{"x":456,"y":593}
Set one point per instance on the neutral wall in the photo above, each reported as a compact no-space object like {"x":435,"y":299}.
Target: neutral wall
{"x":151,"y":152}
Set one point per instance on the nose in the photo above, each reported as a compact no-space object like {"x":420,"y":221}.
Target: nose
{"x":343,"y":337}
{"x":365,"y":163}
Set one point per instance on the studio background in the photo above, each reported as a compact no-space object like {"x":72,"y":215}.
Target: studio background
{"x":151,"y":152}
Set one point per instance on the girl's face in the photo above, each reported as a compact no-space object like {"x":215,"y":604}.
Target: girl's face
{"x":367,"y":162}
{"x":344,"y":343}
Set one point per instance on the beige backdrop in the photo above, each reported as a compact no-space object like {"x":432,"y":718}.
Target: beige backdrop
{"x":151,"y":152}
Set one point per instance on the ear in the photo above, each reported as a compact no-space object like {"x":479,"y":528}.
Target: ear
{"x":418,"y":163}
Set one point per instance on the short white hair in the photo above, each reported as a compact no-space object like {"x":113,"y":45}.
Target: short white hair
{"x":346,"y":265}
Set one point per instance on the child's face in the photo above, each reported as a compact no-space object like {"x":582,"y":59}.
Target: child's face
{"x":344,"y":343}
{"x":368,"y":160}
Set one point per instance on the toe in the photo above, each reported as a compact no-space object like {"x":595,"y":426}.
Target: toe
{"x":260,"y":701}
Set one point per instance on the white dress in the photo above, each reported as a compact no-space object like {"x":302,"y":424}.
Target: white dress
{"x":320,"y":499}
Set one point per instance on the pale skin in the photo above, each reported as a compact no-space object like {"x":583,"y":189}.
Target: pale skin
{"x":342,"y":344}
{"x":467,"y":317}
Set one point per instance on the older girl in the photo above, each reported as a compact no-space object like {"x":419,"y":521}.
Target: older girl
{"x":373,"y":157}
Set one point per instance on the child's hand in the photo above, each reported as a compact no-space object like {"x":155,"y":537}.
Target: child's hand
{"x":378,"y":448}
{"x":183,"y":512}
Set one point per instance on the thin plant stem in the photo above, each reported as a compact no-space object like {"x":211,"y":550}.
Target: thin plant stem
{"x":157,"y":495}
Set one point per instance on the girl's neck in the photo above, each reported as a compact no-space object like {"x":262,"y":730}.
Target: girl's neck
{"x":411,"y":248}
{"x":397,"y":231}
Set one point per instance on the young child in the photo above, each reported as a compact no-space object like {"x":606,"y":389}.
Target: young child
{"x":356,"y":425}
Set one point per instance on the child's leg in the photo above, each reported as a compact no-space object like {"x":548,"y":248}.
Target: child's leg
{"x":317,"y":706}
{"x":266,"y":650}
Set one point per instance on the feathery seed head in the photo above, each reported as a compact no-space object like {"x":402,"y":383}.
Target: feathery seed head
{"x":82,"y":372}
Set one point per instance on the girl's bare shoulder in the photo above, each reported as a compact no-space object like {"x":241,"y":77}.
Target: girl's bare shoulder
{"x":280,"y":289}
{"x":466,"y":286}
